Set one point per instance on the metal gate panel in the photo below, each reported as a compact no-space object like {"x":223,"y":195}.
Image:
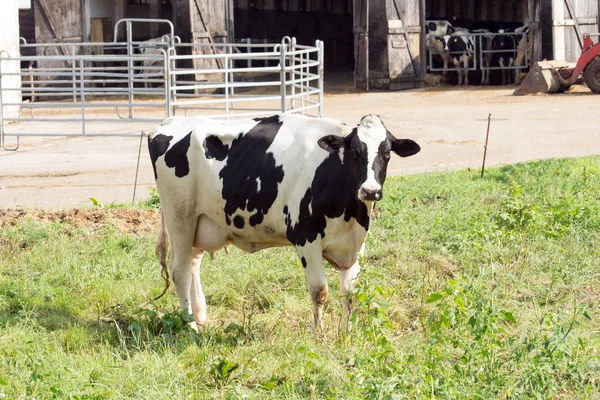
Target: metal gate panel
{"x":100,"y":87}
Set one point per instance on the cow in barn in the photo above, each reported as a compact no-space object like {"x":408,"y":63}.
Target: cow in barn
{"x":522,"y":45}
{"x":153,"y":49}
{"x":504,"y":43}
{"x":285,"y":180}
{"x":484,"y":48}
{"x":461,"y":46}
{"x":434,"y":41}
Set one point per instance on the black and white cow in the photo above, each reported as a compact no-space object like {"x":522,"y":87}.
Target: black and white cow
{"x":285,"y":180}
{"x":484,"y":44}
{"x":522,"y":45}
{"x":153,"y":51}
{"x":461,"y":46}
{"x":434,"y":41}
{"x":504,"y":43}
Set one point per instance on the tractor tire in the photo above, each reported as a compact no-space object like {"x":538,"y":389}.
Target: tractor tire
{"x":591,"y":75}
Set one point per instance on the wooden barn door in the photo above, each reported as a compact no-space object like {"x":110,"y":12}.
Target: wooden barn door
{"x":404,"y":43}
{"x":209,"y":27}
{"x":571,"y":19}
{"x":361,"y":44}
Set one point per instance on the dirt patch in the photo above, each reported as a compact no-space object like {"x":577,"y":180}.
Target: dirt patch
{"x":129,"y":221}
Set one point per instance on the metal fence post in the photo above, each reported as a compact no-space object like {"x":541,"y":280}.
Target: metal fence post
{"x":129,"y":68}
{"x":293,"y":72}
{"x":320,"y":72}
{"x":282,"y":75}
{"x":231,"y":66}
{"x":82,"y":93}
{"x":249,"y":50}
{"x":167,"y":82}
{"x":226,"y":65}
{"x":73,"y":71}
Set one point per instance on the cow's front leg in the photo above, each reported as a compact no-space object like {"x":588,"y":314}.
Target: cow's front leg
{"x":445,"y":59}
{"x":501,"y":62}
{"x":312,"y":262}
{"x":347,"y":282}
{"x":465,"y":63}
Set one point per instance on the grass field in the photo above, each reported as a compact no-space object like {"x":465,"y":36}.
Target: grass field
{"x":471,"y":288}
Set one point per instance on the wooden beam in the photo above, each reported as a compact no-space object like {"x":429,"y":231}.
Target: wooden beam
{"x":404,"y":32}
{"x":47,"y":15}
{"x":577,"y":27}
{"x":210,"y":37}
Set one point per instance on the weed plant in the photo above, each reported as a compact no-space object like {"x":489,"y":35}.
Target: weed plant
{"x":470,"y":288}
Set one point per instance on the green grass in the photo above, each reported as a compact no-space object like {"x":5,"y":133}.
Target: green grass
{"x":471,"y":288}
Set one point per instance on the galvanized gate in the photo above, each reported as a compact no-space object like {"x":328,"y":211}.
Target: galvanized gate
{"x":100,"y":89}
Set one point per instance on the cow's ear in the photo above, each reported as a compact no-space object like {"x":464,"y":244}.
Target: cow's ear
{"x":331,"y":143}
{"x":405,"y":147}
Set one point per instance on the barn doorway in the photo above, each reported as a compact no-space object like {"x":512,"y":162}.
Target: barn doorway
{"x":306,"y":20}
{"x":494,"y":16}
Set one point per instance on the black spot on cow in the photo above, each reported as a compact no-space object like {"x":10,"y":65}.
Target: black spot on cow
{"x":333,"y":192}
{"x":249,"y":162}
{"x":303,"y":262}
{"x":227,"y":219}
{"x":215,"y":148}
{"x":157,"y":146}
{"x":176,"y":157}
{"x":238,"y":221}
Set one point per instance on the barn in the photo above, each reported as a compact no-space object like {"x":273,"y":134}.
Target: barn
{"x":378,"y":43}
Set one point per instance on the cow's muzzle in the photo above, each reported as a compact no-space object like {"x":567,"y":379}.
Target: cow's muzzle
{"x":370,"y":194}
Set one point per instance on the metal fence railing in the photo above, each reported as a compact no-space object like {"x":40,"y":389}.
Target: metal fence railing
{"x":95,"y":89}
{"x":481,"y":55}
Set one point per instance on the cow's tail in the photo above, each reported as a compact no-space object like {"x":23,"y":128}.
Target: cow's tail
{"x":162,"y":252}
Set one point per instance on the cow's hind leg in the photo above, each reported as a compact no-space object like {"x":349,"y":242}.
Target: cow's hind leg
{"x":347,"y":283}
{"x":196,"y":293}
{"x":312,"y":261}
{"x":181,"y":233}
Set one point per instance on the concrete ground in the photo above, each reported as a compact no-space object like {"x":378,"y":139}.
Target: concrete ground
{"x":448,"y":123}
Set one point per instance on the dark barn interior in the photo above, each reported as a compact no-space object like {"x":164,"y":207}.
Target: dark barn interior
{"x":306,"y":20}
{"x":479,"y":14}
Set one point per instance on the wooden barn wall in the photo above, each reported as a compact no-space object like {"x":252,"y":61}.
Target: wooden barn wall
{"x":565,"y":37}
{"x":209,"y":23}
{"x":466,"y":11}
{"x":306,"y":20}
{"x":57,"y":21}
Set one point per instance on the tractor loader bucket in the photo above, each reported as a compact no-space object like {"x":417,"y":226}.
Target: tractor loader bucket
{"x":541,"y":79}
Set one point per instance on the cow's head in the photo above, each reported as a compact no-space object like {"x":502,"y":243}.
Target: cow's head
{"x":502,"y":42}
{"x":365,"y":153}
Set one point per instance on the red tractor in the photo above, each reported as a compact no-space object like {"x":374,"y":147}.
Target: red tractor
{"x":587,"y":70}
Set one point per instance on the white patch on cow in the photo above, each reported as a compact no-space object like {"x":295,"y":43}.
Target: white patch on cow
{"x":301,"y":154}
{"x":341,"y":154}
{"x":257,"y":184}
{"x":371,"y":132}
